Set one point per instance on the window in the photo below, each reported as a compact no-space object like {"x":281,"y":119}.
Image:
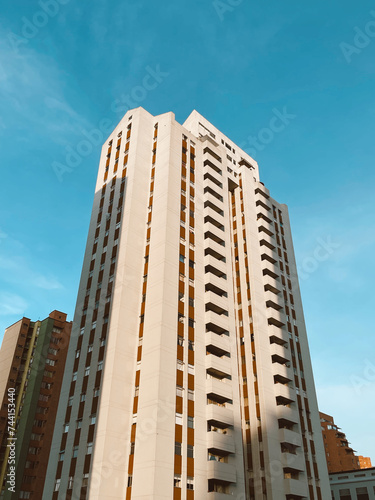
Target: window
{"x":78,"y":352}
{"x":87,"y":371}
{"x":79,"y":423}
{"x":180,"y":365}
{"x":177,"y":481}
{"x":191,"y":323}
{"x":190,"y":483}
{"x":182,"y":258}
{"x":132,"y":446}
{"x":75,"y":452}
{"x":190,"y":451}
{"x":85,"y":480}
{"x":70,"y":401}
{"x":180,"y":340}
{"x":89,"y":348}
{"x":92,"y":419}
{"x":61,"y":456}
{"x":100,"y":365}
{"x":96,"y":392}
{"x":70,"y":483}
{"x":177,"y":448}
{"x":130,"y":481}
{"x":191,"y":345}
{"x":190,"y":394}
{"x":191,"y":263}
{"x":191,"y":302}
{"x":89,"y":449}
{"x":136,"y":391}
{"x":190,"y":422}
{"x":191,"y":369}
{"x":66,"y":428}
{"x":179,"y":418}
{"x":74,"y":376}
{"x":83,"y":397}
{"x":57,"y":485}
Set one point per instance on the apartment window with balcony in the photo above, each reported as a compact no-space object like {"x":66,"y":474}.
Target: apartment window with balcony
{"x":180,"y":340}
{"x":177,"y":481}
{"x":190,"y":483}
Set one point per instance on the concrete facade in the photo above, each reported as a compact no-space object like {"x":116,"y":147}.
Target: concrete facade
{"x":189,"y":373}
{"x":353,"y":485}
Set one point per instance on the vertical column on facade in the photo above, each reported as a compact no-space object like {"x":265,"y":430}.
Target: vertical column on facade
{"x":222,"y":475}
{"x":141,"y":319}
{"x":252,"y":423}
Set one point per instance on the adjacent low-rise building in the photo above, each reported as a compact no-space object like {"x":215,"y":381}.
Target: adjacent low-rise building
{"x":353,"y":484}
{"x":32,"y":362}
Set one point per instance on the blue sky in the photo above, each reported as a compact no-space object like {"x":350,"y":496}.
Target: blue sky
{"x":236,"y":62}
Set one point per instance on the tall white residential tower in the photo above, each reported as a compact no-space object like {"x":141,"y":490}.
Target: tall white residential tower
{"x":188,"y":374}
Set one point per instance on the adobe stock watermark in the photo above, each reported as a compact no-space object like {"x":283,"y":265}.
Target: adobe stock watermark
{"x":32,"y":26}
{"x":277,"y":124}
{"x":362,"y":39}
{"x":365,"y":379}
{"x":74,"y":155}
{"x":222,"y":7}
{"x":324,"y":249}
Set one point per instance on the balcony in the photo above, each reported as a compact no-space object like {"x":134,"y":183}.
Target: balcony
{"x":216,"y":281}
{"x":264,"y":213}
{"x":218,"y":367}
{"x":275,"y":317}
{"x":212,"y":166}
{"x":282,"y":371}
{"x":280,"y":351}
{"x":209,"y":183}
{"x":262,"y":194}
{"x":216,"y":179}
{"x":284,"y":393}
{"x":220,"y":444}
{"x":293,"y":461}
{"x":286,"y":413}
{"x":216,"y":323}
{"x":215,"y":266}
{"x":278,"y":335}
{"x":216,"y":303}
{"x":221,"y":471}
{"x":214,"y":233}
{"x":268,"y":241}
{"x":219,"y":416}
{"x":273,"y":300}
{"x":212,"y":200}
{"x":287,"y":436}
{"x":218,"y":345}
{"x":219,"y":391}
{"x":216,"y":249}
{"x":296,"y":487}
{"x":268,"y":255}
{"x":219,"y":496}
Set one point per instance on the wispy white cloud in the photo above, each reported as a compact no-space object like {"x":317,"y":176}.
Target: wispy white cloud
{"x":32,"y":88}
{"x":11,"y":303}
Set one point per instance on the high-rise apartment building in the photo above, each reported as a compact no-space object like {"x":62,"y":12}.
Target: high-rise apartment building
{"x":188,"y":374}
{"x":340,"y":455}
{"x":32,"y":361}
